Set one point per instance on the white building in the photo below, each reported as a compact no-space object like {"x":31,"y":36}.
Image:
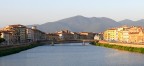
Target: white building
{"x":7,"y":35}
{"x":98,"y":37}
{"x":33,"y":34}
{"x":30,"y":35}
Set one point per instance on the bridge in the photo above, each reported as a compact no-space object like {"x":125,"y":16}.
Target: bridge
{"x":72,"y":41}
{"x":89,"y":40}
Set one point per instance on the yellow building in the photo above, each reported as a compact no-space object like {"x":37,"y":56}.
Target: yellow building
{"x":111,"y":34}
{"x":106,"y":35}
{"x":123,"y":34}
{"x":120,"y":33}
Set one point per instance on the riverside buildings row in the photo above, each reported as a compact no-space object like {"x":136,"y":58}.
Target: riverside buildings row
{"x":19,"y":34}
{"x":68,"y":35}
{"x":133,"y":34}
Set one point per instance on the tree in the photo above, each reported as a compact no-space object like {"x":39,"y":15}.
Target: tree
{"x":2,"y":40}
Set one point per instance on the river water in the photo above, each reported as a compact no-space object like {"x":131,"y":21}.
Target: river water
{"x":73,"y":54}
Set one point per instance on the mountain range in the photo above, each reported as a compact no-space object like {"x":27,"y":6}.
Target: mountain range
{"x":85,"y":24}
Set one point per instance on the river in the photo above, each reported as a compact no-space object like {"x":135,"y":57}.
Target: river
{"x":73,"y":54}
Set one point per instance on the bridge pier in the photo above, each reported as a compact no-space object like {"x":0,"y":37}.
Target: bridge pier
{"x":83,"y":43}
{"x":52,"y":43}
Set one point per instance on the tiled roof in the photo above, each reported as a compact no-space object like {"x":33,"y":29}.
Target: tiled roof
{"x":8,"y":32}
{"x":112,"y":29}
{"x":134,"y":33}
{"x":17,"y":25}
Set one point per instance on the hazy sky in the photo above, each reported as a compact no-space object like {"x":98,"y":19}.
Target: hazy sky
{"x":42,"y":11}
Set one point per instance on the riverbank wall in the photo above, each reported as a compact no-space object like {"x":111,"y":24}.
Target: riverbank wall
{"x":123,"y":44}
{"x":126,"y":47}
{"x":12,"y":49}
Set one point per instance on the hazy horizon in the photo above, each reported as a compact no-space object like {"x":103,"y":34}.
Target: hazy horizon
{"x":28,"y":12}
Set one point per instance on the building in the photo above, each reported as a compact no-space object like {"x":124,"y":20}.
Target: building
{"x":136,"y":35}
{"x":87,"y":35}
{"x":30,"y":35}
{"x":111,"y":34}
{"x":135,"y":29}
{"x":53,"y":36}
{"x":7,"y":35}
{"x":123,"y":34}
{"x":65,"y":35}
{"x":19,"y":34}
{"x":76,"y":36}
{"x":98,"y":36}
{"x":36,"y":35}
{"x":133,"y":34}
{"x":82,"y":37}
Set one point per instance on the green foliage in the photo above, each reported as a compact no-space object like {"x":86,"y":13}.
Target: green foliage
{"x":94,"y":42}
{"x":2,"y":40}
{"x":131,"y":49}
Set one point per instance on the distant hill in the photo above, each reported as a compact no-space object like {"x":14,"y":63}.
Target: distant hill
{"x":132,"y":23}
{"x":81,"y":23}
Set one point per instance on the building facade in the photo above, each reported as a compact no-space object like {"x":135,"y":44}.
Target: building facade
{"x":7,"y":35}
{"x":19,"y":32}
{"x":111,"y":35}
{"x":133,"y":34}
